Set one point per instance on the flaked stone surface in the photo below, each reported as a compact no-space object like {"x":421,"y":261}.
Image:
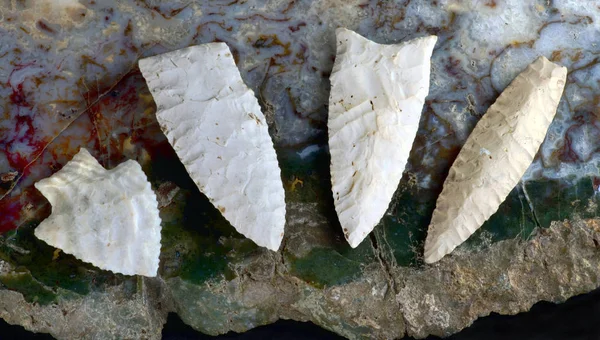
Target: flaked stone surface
{"x":377,"y":96}
{"x":214,"y":123}
{"x":107,"y":218}
{"x":495,"y":156}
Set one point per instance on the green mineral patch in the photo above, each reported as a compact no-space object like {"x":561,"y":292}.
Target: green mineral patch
{"x":513,"y":219}
{"x":21,"y":248}
{"x":406,"y":227}
{"x":556,"y":200}
{"x":326,"y":267}
{"x":31,"y":289}
{"x":197,"y":242}
{"x":339,"y":263}
{"x":306,"y":179}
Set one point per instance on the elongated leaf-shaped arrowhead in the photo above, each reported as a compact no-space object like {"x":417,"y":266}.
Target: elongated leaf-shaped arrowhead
{"x":495,"y":156}
{"x":377,"y":95}
{"x":214,"y":123}
{"x":108,"y":218}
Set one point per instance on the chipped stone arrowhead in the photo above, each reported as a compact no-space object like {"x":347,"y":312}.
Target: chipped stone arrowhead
{"x":377,"y":95}
{"x":215,"y":124}
{"x":108,"y":218}
{"x":495,"y":156}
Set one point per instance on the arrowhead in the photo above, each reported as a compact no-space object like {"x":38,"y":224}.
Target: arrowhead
{"x":215,"y":124}
{"x":108,"y":218}
{"x":495,"y":156}
{"x":377,"y":95}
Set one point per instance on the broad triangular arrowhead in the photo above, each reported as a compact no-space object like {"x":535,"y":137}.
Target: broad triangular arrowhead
{"x":377,"y":95}
{"x":215,"y":124}
{"x":108,"y":218}
{"x":495,"y":156}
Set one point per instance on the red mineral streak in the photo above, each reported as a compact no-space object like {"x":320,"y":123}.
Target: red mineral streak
{"x":27,"y":207}
{"x":116,"y":107}
{"x":596,"y":183}
{"x":18,"y":97}
{"x":23,"y":123}
{"x":566,"y":153}
{"x":17,"y":160}
{"x":11,"y":213}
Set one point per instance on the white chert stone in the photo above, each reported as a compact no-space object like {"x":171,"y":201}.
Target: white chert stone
{"x":495,"y":156}
{"x":377,"y":95}
{"x":215,"y":124}
{"x":108,"y":218}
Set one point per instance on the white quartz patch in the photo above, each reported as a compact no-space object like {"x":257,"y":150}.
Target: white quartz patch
{"x":511,"y":133}
{"x":377,"y":95}
{"x":108,"y":218}
{"x":215,"y":124}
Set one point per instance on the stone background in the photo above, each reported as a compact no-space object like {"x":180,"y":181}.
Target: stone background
{"x":69,"y":79}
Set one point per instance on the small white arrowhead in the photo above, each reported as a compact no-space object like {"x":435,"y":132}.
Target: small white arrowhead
{"x":108,"y":218}
{"x":214,"y":123}
{"x":377,"y":95}
{"x":495,"y":156}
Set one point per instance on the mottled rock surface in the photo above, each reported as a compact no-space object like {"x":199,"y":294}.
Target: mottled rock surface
{"x":506,"y":277}
{"x":68,"y":79}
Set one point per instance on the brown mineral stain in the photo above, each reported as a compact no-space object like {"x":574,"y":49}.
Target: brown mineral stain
{"x":43,"y":26}
{"x":449,"y":153}
{"x":55,"y":254}
{"x":594,"y":224}
{"x":295,"y":182}
{"x":556,"y":55}
{"x":221,"y":209}
{"x":522,"y":43}
{"x":577,"y":56}
{"x":272,"y":40}
{"x":491,"y":4}
{"x":128,"y":146}
{"x":128,"y":29}
{"x":289,"y":6}
{"x":88,"y":60}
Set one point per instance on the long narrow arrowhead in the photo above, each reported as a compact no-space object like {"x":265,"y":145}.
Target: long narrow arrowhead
{"x":377,"y":95}
{"x":214,"y":123}
{"x":495,"y":156}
